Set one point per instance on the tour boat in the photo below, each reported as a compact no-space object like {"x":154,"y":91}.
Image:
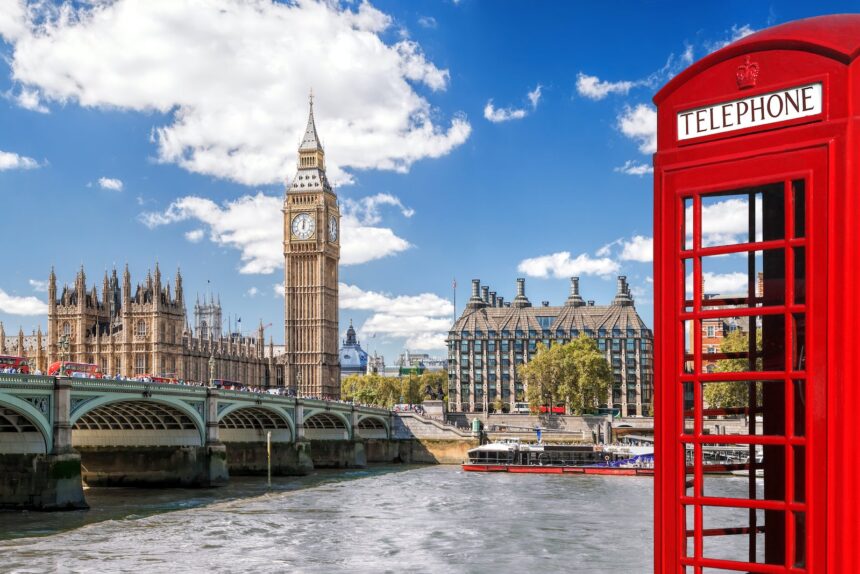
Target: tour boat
{"x":510,"y":455}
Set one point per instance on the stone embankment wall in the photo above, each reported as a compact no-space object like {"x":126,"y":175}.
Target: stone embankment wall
{"x":251,"y":458}
{"x":154,"y":465}
{"x":41,"y":482}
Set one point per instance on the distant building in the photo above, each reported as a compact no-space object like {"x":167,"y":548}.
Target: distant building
{"x":141,"y":330}
{"x":492,"y":339}
{"x":421,"y":361}
{"x":353,"y":359}
{"x":376,"y":364}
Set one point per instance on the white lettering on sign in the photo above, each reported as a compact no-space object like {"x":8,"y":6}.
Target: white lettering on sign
{"x":765,"y":109}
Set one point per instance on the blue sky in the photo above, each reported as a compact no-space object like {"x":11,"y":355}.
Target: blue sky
{"x":470,"y":139}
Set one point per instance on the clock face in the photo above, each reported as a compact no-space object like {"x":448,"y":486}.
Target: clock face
{"x":332,"y":228}
{"x":303,"y":226}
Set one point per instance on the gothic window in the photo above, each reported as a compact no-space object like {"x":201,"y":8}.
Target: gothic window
{"x":140,"y":364}
{"x":67,"y":328}
{"x":204,"y":330}
{"x":141,"y":328}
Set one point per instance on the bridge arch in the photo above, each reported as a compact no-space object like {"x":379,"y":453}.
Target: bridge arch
{"x":250,"y":423}
{"x":326,"y":425}
{"x":23,"y":429}
{"x":371,"y":426}
{"x":136,"y":421}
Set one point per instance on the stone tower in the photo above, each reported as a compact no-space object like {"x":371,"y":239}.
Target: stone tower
{"x":311,"y":255}
{"x":207,"y":317}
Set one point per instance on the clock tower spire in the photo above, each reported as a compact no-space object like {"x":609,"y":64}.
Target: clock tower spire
{"x":311,"y":256}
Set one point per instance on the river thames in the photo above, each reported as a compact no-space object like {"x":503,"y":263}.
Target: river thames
{"x":384,"y":519}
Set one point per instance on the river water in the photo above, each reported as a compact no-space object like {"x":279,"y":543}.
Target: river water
{"x":383,"y":519}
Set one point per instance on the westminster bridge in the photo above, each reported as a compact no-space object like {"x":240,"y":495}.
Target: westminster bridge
{"x":58,"y":433}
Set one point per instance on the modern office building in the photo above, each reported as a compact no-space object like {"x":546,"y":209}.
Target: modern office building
{"x":492,"y":339}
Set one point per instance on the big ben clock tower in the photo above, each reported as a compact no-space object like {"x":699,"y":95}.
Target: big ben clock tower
{"x":311,"y":255}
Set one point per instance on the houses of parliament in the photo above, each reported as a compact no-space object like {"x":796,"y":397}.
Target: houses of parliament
{"x":145,"y":329}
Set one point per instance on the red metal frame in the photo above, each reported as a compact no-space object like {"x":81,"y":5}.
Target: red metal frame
{"x":810,"y":503}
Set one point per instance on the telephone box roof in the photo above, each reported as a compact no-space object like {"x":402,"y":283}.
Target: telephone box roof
{"x":836,"y":36}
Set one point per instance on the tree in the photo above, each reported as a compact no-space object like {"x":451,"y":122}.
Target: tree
{"x":592,"y":376}
{"x":386,"y":392}
{"x":576,"y":373}
{"x":732,"y":394}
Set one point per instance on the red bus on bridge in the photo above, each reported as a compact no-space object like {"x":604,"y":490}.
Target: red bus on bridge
{"x":20,"y":364}
{"x":70,"y":369}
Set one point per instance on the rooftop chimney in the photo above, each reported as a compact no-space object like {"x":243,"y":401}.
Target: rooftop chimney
{"x":545,"y":303}
{"x":475,"y":301}
{"x":623,"y":297}
{"x":501,"y":301}
{"x":591,"y":302}
{"x":485,"y":294}
{"x":521,"y":300}
{"x":492,"y":299}
{"x":574,"y":299}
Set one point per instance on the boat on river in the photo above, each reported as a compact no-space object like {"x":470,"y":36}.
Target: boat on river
{"x":511,"y":455}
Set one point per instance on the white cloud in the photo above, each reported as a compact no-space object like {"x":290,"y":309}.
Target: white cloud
{"x":253,"y":292}
{"x":15,"y":305}
{"x":725,"y":222}
{"x":640,"y":124}
{"x":562,"y":265}
{"x":253,"y":225}
{"x":427,"y":22}
{"x":38,"y":285}
{"x":422,"y":320}
{"x":195,"y":235}
{"x":497,"y":115}
{"x":638,"y":248}
{"x":13,"y":19}
{"x":110,"y":183}
{"x":9,"y":160}
{"x":534,"y":96}
{"x":594,"y":88}
{"x":721,"y":283}
{"x":735,"y":33}
{"x":632,"y":167}
{"x":232,"y":78}
{"x":29,"y":100}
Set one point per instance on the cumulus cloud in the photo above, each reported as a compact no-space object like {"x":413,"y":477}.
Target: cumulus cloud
{"x":253,"y":224}
{"x":38,"y":285}
{"x":594,"y":88}
{"x":9,"y":160}
{"x":110,"y":183}
{"x":14,"y":305}
{"x":632,"y":167}
{"x":721,"y":283}
{"x":29,"y":100}
{"x":638,"y":248}
{"x":726,"y":222}
{"x":498,"y":115}
{"x":195,"y":235}
{"x":232,"y":78}
{"x":422,"y":320}
{"x":427,"y":22}
{"x":561,"y":265}
{"x":639,"y":123}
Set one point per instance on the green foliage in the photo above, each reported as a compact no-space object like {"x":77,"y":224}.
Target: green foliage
{"x":576,"y":374}
{"x":733,"y":394}
{"x":385,"y":392}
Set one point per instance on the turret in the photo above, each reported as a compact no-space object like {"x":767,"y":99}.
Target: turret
{"x":179,"y":295}
{"x":2,"y":339}
{"x":81,"y":287}
{"x":52,"y":291}
{"x":126,"y":287}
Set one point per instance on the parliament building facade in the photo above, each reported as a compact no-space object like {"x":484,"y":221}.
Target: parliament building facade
{"x":492,"y":339}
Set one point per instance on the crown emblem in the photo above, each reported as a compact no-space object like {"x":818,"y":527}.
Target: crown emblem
{"x":747,"y":74}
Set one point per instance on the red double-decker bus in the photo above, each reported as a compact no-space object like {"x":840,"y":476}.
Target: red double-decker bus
{"x":70,"y":369}
{"x":20,"y":364}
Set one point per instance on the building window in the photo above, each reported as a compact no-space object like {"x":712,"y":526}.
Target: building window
{"x":574,"y":333}
{"x":491,"y":334}
{"x":601,"y":344}
{"x":631,"y":345}
{"x":67,"y":329}
{"x":464,"y":346}
{"x":616,"y":345}
{"x":479,"y":345}
{"x":711,"y":331}
{"x":601,"y":332}
{"x":141,"y":328}
{"x":532,"y":333}
{"x":506,"y":345}
{"x":479,"y":334}
{"x":140,"y":365}
{"x":491,"y":346}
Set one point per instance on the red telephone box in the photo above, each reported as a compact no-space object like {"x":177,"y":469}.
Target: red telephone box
{"x":757,"y":231}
